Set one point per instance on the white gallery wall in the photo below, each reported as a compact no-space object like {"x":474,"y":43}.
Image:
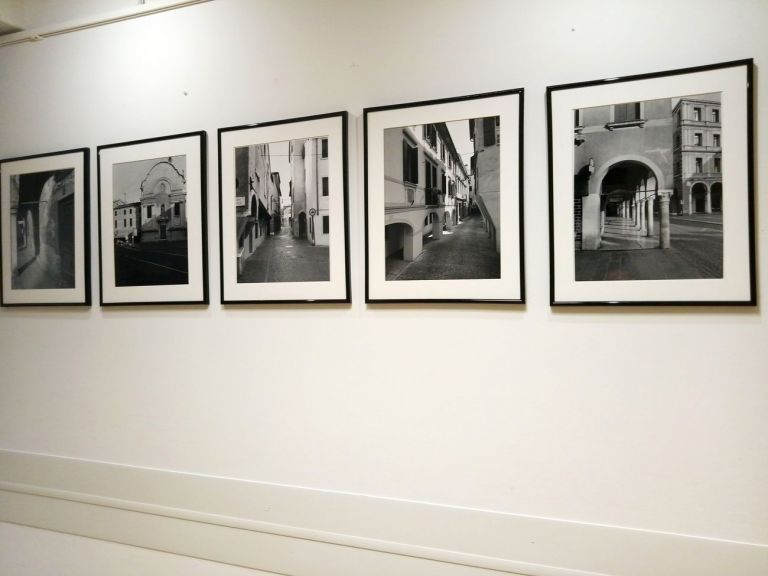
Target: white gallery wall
{"x":441,"y":439}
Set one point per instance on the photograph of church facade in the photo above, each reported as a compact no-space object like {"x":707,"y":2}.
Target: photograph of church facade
{"x":150,"y":222}
{"x":282,"y":211}
{"x":648,"y":197}
{"x":442,"y":200}
{"x":43,"y":217}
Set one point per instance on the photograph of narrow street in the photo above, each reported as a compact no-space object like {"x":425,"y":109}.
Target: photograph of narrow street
{"x":282,"y":211}
{"x":43,"y":230}
{"x":442,"y":200}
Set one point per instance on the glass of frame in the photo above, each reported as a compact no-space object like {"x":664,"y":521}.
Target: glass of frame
{"x":44,"y":226}
{"x":283,"y":210}
{"x":152,"y":221}
{"x":650,"y":184}
{"x":444,"y":200}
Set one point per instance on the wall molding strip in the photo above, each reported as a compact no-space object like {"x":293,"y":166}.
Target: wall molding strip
{"x":42,"y":32}
{"x":300,"y":531}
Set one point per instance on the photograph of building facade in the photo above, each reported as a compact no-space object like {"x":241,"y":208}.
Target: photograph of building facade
{"x":283,"y":235}
{"x":253,"y":198}
{"x":149,"y":208}
{"x":485,"y":172}
{"x":648,"y":190}
{"x":43,"y":216}
{"x":309,"y":190}
{"x":441,"y":216}
{"x":698,"y":178}
{"x":127,"y":221}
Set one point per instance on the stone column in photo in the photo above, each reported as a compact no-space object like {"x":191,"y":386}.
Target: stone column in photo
{"x":638,"y":211}
{"x":412,"y":244}
{"x":650,"y":226}
{"x":689,"y":194}
{"x":708,"y":201}
{"x":664,"y":236}
{"x":590,"y":221}
{"x":643,"y":206}
{"x":437,"y":227}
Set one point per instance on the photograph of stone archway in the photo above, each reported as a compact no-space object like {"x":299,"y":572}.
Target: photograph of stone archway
{"x":648,"y":197}
{"x":42,"y":210}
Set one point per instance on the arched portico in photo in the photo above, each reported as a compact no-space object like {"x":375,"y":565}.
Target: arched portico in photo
{"x":700,"y":199}
{"x":716,"y":194}
{"x":401,"y":236}
{"x":626,"y":188}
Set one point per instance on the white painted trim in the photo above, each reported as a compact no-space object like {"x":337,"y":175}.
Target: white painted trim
{"x":79,"y":24}
{"x":293,"y":530}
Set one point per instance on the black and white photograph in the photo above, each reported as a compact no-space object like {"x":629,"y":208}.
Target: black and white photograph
{"x":444,"y":194}
{"x":44,"y":205}
{"x":441,"y":186}
{"x":654,"y":183}
{"x":152,"y":221}
{"x":43,"y":211}
{"x":283,"y":211}
{"x":283,"y":217}
{"x":631,"y":229}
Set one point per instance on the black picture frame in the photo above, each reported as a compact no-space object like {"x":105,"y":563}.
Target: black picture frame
{"x":280,"y":184}
{"x":153,"y":222}
{"x":53,"y":237}
{"x":447,"y":185}
{"x":641,"y":172}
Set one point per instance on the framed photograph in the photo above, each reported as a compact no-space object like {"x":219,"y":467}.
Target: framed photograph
{"x":152,"y":221}
{"x":283,"y":210}
{"x":650,"y":189}
{"x":44,"y":229}
{"x":444,"y":200}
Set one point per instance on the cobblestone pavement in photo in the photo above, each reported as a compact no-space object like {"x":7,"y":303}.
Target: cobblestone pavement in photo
{"x":35,"y":275}
{"x":284,"y":258}
{"x":463,"y":253}
{"x":696,"y":252}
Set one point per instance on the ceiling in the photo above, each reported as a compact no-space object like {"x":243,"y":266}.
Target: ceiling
{"x":17,"y":15}
{"x":11,"y":16}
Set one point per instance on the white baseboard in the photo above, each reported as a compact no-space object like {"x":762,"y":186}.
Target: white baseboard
{"x":304,"y":532}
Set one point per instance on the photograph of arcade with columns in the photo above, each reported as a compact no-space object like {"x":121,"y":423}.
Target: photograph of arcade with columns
{"x":648,"y":192}
{"x":282,"y":211}
{"x":441,"y":200}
